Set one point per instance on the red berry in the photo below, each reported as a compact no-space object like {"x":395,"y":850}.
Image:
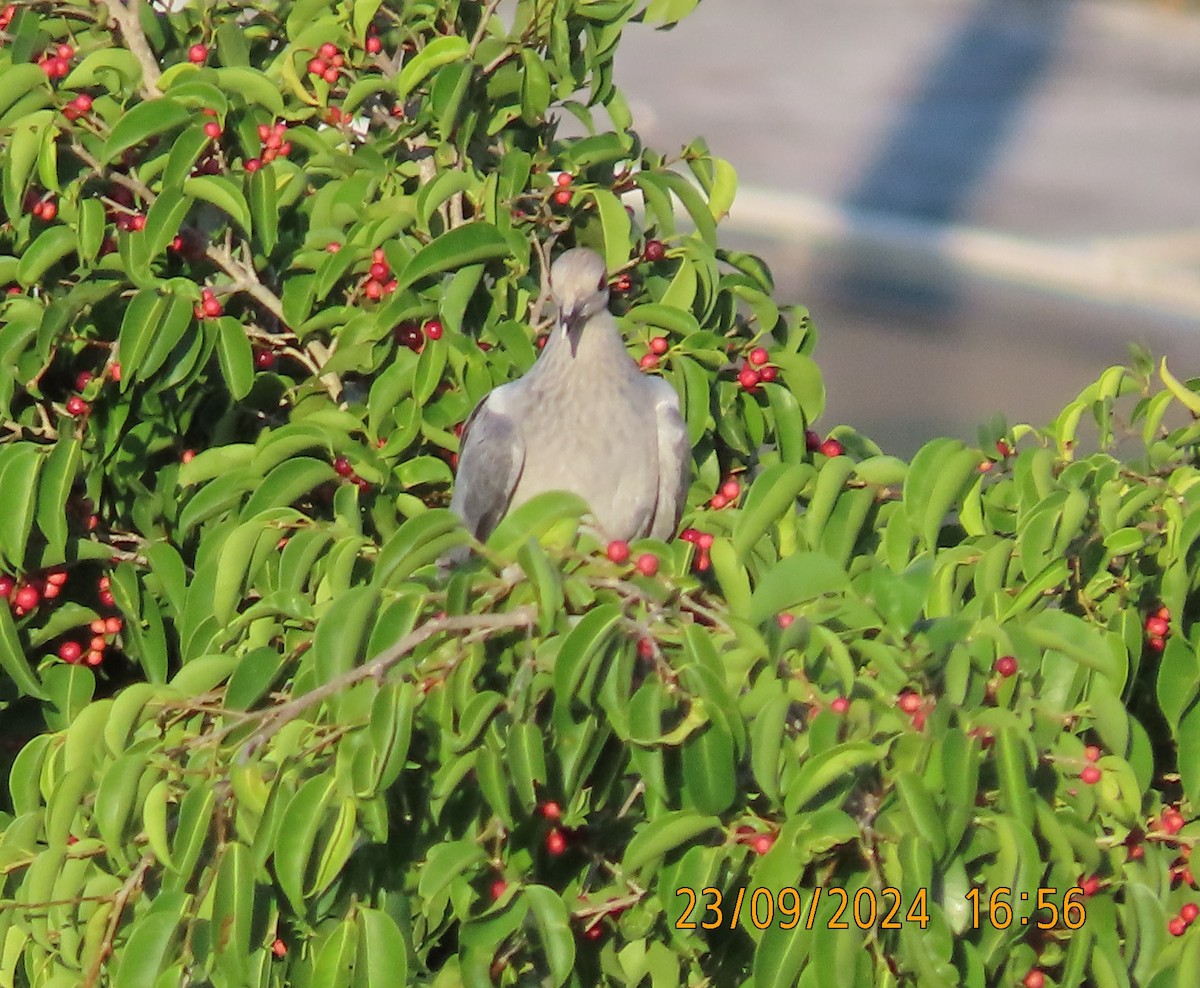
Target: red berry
{"x":187,"y":456}
{"x":212,"y":129}
{"x":1090,"y":885}
{"x":253,"y":165}
{"x":374,"y":46}
{"x":82,"y":380}
{"x":758,"y":356}
{"x":1002,"y":447}
{"x":264,"y":359}
{"x":659,"y":345}
{"x":212,"y":306}
{"x":333,"y":247}
{"x":56,"y":578}
{"x":378,"y":256}
{"x":433,"y":329}
{"x":499,"y":887}
{"x":718,"y":501}
{"x":909,"y":702}
{"x":812,"y":441}
{"x":550,"y":810}
{"x":1034,"y":979}
{"x":748,"y":378}
{"x":342,"y":467}
{"x":49,"y":211}
{"x":562,"y":197}
{"x":137,"y":223}
{"x":648,"y":361}
{"x":705,"y":540}
{"x":690,"y":535}
{"x":1178,"y":926}
{"x":563,"y":179}
{"x":279,"y":948}
{"x":379,"y":271}
{"x":831,"y":448}
{"x":1090,"y":775}
{"x":768,"y":374}
{"x":94,"y":657}
{"x":618,"y":551}
{"x":731,"y":489}
{"x":98,"y":643}
{"x":645,"y":649}
{"x":655,"y":250}
{"x":1156,"y":643}
{"x":647,"y":564}
{"x":65,"y":51}
{"x":1189,"y":912}
{"x":594,"y":932}
{"x":1006,"y":666}
{"x":839,"y":705}
{"x":76,"y":406}
{"x":1157,"y":626}
{"x":27,"y":597}
{"x":556,"y":843}
{"x":373,"y":290}
{"x":1164,"y":613}
{"x":328,"y":50}
{"x":82,"y":102}
{"x":1172,"y":821}
{"x":330,"y":75}
{"x":198,"y":54}
{"x":70,"y":651}
{"x":1092,"y":753}
{"x":317,"y":66}
{"x":763,"y":843}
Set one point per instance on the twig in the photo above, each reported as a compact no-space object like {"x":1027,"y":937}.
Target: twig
{"x":132,"y":883}
{"x":275,"y":718}
{"x":129,"y":24}
{"x":481,"y":31}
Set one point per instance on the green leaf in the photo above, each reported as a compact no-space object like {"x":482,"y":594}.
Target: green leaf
{"x":146,"y":951}
{"x":341,"y":636}
{"x":467,"y":244}
{"x":772,"y":496}
{"x":533,"y":519}
{"x":12,"y":658}
{"x":795,"y":580}
{"x":615,"y":225}
{"x":221,"y":192}
{"x":382,"y":956}
{"x":657,"y":838}
{"x":835,"y":765}
{"x":708,"y":769}
{"x":440,"y":51}
{"x":145,"y":120}
{"x":19,"y":468}
{"x":236,"y":357}
{"x":52,"y":245}
{"x":554,"y":930}
{"x":264,"y":207}
{"x":288,"y":482}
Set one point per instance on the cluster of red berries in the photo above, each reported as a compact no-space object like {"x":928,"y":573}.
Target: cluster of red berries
{"x":826,"y":447}
{"x":618,"y":552}
{"x":80,"y":106}
{"x":1181,"y":869}
{"x":24,"y":596}
{"x":327,"y":63}
{"x":703,"y":542}
{"x":44,"y":208}
{"x":102,"y":629}
{"x":659,"y":345}
{"x":916,"y":706}
{"x":104,"y":592}
{"x":379,"y":281}
{"x":728,"y":494}
{"x":56,"y":63}
{"x":198,"y":54}
{"x":654,"y":251}
{"x":1187,"y":916}
{"x":1091,"y":773}
{"x":411,"y":335}
{"x":756,"y":370}
{"x":563,"y":194}
{"x":345,"y":469}
{"x":556,"y":838}
{"x":1158,"y":628}
{"x":274,"y":145}
{"x":209,"y":306}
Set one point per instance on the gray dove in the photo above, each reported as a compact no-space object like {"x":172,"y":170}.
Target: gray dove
{"x":583,"y":419}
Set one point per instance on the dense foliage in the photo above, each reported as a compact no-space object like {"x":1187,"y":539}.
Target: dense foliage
{"x":259,"y":264}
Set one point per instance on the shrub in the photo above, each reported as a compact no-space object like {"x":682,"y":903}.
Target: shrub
{"x":262,"y":262}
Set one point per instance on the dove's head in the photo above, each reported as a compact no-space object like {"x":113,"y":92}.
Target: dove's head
{"x":579,"y":283}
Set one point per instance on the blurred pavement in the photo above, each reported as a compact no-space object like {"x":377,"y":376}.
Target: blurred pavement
{"x":982,"y":202}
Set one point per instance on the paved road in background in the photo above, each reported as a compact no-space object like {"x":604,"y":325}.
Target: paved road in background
{"x":982,"y":202}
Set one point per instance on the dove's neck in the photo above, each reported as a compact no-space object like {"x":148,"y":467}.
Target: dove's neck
{"x":596,"y":347}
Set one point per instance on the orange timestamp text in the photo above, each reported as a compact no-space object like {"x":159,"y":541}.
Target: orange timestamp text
{"x":709,"y":909}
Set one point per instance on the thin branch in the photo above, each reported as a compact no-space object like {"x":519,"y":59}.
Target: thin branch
{"x":275,"y":718}
{"x":129,"y":24}
{"x":481,"y":31}
{"x":132,"y":883}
